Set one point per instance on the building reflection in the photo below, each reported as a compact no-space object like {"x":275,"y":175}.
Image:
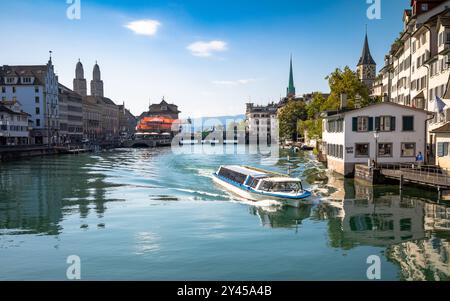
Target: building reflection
{"x":35,"y":195}
{"x":413,"y":230}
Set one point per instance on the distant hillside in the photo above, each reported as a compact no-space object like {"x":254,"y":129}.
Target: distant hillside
{"x":208,"y":122}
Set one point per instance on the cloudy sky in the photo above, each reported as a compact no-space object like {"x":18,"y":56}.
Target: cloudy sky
{"x":208,"y":56}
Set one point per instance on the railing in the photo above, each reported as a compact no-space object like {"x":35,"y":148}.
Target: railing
{"x":426,"y":174}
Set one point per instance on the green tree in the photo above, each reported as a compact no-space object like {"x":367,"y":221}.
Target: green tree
{"x":312,"y":126}
{"x":345,"y":82}
{"x":314,"y":108}
{"x":289,"y":116}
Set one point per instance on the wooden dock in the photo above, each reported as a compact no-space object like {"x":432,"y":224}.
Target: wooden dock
{"x":431,"y":176}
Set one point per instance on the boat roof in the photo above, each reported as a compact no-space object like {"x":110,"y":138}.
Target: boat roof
{"x":284,"y":180}
{"x":246,"y":171}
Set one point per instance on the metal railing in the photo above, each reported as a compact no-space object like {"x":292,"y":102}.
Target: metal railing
{"x":427,"y":174}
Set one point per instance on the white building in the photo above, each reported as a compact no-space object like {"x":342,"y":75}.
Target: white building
{"x":14,"y":124}
{"x":349,"y":135}
{"x":261,"y":121}
{"x":416,"y":69}
{"x":36,"y":88}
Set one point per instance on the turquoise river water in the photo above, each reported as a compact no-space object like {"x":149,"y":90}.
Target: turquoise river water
{"x":150,"y":214}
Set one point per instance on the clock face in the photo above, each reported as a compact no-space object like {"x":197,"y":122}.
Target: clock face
{"x":366,"y":72}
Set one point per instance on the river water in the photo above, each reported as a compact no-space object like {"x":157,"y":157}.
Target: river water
{"x":151,"y":214}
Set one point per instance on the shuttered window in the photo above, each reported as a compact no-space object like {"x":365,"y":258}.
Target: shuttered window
{"x":408,"y":123}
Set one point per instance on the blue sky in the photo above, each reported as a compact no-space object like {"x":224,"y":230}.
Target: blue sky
{"x":209,"y":57}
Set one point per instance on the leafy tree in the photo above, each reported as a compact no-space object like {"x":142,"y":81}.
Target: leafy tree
{"x":289,"y":116}
{"x":313,"y":126}
{"x":345,"y":82}
{"x":314,"y":107}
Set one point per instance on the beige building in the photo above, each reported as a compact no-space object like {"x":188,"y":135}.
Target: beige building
{"x":71,"y":116}
{"x":442,"y":138}
{"x":100,"y":114}
{"x":416,"y":70}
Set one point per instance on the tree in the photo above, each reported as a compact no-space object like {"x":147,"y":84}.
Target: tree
{"x":345,"y":82}
{"x":312,"y":126}
{"x":314,"y":108}
{"x":288,"y":118}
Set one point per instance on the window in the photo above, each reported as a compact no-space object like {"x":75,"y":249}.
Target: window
{"x":408,"y":150}
{"x":442,"y":149}
{"x":36,"y":99}
{"x":362,"y":150}
{"x":385,"y":149}
{"x":38,"y":122}
{"x":38,"y":111}
{"x":408,"y":123}
{"x":14,"y":89}
{"x":36,"y":89}
{"x":3,"y":90}
{"x":385,"y":123}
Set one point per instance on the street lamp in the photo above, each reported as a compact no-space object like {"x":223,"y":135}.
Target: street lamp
{"x":376,"y":135}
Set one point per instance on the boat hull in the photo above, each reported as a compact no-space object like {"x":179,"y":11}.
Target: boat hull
{"x":252,"y":196}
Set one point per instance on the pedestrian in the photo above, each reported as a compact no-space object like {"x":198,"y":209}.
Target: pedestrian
{"x":419,"y":159}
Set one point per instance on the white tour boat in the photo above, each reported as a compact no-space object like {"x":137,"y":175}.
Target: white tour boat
{"x":257,"y":184}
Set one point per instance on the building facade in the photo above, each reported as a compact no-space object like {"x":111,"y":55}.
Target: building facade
{"x":127,"y":122}
{"x":163,"y":109}
{"x":385,"y":133}
{"x":36,"y":88}
{"x":15,"y":124}
{"x":416,"y":70}
{"x":261,"y":122}
{"x":100,"y":114}
{"x":71,"y":116}
{"x":92,"y":119}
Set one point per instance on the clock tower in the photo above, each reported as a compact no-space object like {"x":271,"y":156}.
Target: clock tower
{"x":366,"y":69}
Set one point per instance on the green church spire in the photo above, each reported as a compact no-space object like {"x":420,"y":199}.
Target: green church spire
{"x":291,"y":87}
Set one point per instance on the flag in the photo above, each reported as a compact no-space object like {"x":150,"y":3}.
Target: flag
{"x":439,"y":105}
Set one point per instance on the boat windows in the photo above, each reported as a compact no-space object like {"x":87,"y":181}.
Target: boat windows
{"x":289,"y":187}
{"x":232,"y":175}
{"x":254,"y":184}
{"x":266,"y":186}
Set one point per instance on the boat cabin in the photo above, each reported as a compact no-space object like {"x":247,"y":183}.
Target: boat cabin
{"x":258,"y":180}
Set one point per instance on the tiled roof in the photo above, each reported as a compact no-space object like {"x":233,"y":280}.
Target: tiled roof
{"x":38,"y":72}
{"x":443,"y":129}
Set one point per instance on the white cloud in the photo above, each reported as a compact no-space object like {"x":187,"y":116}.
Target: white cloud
{"x":234,"y":82}
{"x":144,"y":27}
{"x":205,"y":49}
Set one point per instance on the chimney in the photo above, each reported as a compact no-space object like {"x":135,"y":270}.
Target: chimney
{"x":343,"y":101}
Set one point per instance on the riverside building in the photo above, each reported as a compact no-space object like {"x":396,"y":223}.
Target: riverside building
{"x":36,"y":88}
{"x":383,"y":133}
{"x":416,"y":68}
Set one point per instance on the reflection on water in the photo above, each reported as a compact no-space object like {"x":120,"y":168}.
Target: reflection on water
{"x":152,"y":207}
{"x":35,"y":194}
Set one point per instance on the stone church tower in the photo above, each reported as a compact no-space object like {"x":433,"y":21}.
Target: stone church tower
{"x":96,"y":83}
{"x":79,"y":83}
{"x":366,"y":68}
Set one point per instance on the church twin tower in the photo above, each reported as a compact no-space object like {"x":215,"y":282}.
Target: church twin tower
{"x":80,"y":84}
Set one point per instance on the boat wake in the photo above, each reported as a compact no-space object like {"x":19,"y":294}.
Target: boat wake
{"x":190,"y":191}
